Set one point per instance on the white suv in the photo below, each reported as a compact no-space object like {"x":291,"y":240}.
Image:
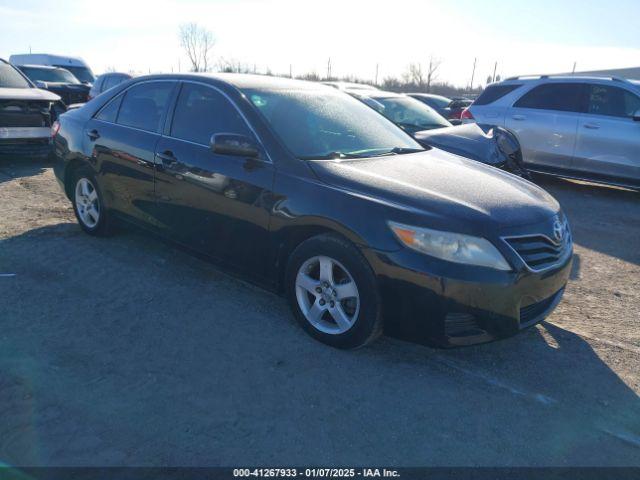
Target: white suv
{"x":570,"y":126}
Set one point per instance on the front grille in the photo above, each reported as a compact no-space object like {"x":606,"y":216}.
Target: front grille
{"x":532,"y":313}
{"x":539,"y":252}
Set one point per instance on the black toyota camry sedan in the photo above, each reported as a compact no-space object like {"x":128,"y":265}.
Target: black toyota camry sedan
{"x":309,"y":192}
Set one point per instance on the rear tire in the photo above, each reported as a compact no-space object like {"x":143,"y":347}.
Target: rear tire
{"x":333,"y":292}
{"x":88,"y":203}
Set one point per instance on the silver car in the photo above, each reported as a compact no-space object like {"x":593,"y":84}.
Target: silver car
{"x":571,"y":126}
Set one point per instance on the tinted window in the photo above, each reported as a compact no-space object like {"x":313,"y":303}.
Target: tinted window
{"x":109,"y":113}
{"x":83,"y":74}
{"x":613,"y":101}
{"x":564,"y":97}
{"x":143,"y":105}
{"x":320,"y":123}
{"x":494,"y":92}
{"x":201,"y":111}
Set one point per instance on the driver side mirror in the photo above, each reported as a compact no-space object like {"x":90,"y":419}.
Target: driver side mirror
{"x":232,"y":144}
{"x":41,"y":84}
{"x":636,"y":116}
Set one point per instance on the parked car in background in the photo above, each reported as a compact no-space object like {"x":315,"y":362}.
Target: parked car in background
{"x":77,"y":66}
{"x":570,"y":126}
{"x":26,"y":115}
{"x":106,"y":81}
{"x":309,"y":192}
{"x":59,"y":81}
{"x":494,"y":146}
{"x":350,"y":86}
{"x":449,"y":108}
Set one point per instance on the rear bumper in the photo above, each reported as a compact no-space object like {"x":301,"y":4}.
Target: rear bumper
{"x":462,"y":305}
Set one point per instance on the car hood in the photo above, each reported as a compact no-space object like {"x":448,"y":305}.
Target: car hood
{"x":27,"y":94}
{"x":444,"y":190}
{"x":469,"y":140}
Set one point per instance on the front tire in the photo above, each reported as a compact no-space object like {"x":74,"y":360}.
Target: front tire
{"x":333,"y":292}
{"x":88,"y":203}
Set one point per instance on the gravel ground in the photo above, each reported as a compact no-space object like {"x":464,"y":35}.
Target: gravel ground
{"x":127,"y":351}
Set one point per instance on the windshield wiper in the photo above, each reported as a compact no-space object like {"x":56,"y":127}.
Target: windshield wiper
{"x":332,"y":156}
{"x":401,"y":150}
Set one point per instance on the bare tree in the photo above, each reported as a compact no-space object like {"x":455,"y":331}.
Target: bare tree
{"x":434,"y":64}
{"x":414,"y":75}
{"x":197,"y":43}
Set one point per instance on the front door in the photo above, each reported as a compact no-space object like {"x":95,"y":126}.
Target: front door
{"x":217,"y":204}
{"x":608,"y":138}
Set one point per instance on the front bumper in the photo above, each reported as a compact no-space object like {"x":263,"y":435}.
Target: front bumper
{"x":25,"y":141}
{"x":426,"y":301}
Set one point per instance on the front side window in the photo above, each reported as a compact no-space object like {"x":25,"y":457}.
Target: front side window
{"x":143,"y":105}
{"x":612,"y":101}
{"x":563,"y":97}
{"x":324,"y":123}
{"x":201,"y":112}
{"x":11,"y":78}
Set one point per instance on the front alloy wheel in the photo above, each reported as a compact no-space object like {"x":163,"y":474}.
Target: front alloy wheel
{"x":333,"y":292}
{"x":327,"y":295}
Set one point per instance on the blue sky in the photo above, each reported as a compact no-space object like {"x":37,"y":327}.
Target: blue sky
{"x":522,"y":36}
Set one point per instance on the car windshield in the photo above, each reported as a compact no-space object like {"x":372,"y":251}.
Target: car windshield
{"x":437,"y":101}
{"x":11,"y":78}
{"x":83,"y":74}
{"x":54,"y":75}
{"x":327,"y":123}
{"x":408,"y":112}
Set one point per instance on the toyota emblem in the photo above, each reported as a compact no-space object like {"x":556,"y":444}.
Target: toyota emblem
{"x":558,"y":231}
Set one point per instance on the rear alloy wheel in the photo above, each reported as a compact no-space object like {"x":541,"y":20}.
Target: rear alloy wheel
{"x":333,"y":292}
{"x":88,"y":204}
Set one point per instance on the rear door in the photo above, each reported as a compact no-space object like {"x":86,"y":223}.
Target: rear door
{"x":215,"y":203}
{"x":545,"y":120}
{"x":122,"y":137}
{"x":608,"y":138}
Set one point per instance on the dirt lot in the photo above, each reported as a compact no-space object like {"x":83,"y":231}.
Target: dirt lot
{"x":126,"y":351}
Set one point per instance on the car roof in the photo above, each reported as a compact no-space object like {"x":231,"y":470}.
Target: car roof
{"x":375,"y":93}
{"x":350,"y":85}
{"x":241,"y":80}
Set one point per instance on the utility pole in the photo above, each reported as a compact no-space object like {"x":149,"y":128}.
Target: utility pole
{"x":495,"y":66}
{"x":329,"y":69}
{"x":290,"y":71}
{"x":376,"y":82}
{"x":179,"y":66}
{"x":473,"y":73}
{"x":574,"y":67}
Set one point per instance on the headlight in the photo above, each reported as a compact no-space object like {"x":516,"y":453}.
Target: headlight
{"x":453,"y":247}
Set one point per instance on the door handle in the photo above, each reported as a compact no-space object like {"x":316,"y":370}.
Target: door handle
{"x":93,"y":135}
{"x":167,"y":158}
{"x":518,"y":117}
{"x":592,"y":126}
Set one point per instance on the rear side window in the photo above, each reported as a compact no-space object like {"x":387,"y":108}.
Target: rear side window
{"x":144,"y":104}
{"x":110,"y":112}
{"x":612,"y":101}
{"x":563,"y":97}
{"x":495,"y":92}
{"x":201,"y":112}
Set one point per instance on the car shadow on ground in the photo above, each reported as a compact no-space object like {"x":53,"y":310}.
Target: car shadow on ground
{"x":604,"y":219}
{"x":15,"y":167}
{"x":127,"y":351}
